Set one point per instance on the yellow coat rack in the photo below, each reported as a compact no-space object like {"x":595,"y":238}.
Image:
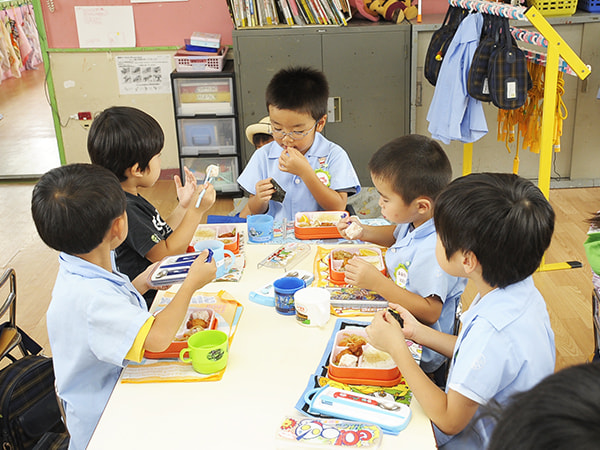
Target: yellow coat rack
{"x":557,"y":48}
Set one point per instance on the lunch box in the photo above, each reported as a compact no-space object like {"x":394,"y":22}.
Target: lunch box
{"x":338,"y":258}
{"x":228,"y":234}
{"x":318,"y":224}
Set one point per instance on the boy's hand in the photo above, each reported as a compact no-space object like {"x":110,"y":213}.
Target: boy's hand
{"x":294,"y":162}
{"x":264,"y":190}
{"x":142,"y":281}
{"x":362,"y":274}
{"x":201,"y":272}
{"x":345,"y":222}
{"x":185,"y":192}
{"x":411,"y":324}
{"x":209,"y":198}
{"x":384,"y":333}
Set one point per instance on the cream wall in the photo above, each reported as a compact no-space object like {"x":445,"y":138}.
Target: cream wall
{"x":87,"y":81}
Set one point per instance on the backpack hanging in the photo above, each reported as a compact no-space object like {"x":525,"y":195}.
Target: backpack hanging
{"x":508,"y":77}
{"x":477,"y":81}
{"x":440,"y":41}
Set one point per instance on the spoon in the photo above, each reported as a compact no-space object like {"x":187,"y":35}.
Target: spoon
{"x":212,"y":172}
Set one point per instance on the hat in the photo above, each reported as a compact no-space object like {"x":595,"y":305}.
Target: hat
{"x":263,"y":126}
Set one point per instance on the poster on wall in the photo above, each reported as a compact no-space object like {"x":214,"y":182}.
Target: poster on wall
{"x":144,"y":74}
{"x":105,"y":26}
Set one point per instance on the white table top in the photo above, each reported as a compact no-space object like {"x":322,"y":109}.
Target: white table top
{"x":270,"y":361}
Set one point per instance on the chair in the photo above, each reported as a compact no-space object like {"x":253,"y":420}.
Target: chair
{"x":11,"y":335}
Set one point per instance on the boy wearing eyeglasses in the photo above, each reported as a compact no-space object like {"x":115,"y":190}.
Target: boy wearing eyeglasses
{"x":315,"y":174}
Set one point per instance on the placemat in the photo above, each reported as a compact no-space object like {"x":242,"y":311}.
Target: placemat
{"x":228,"y":311}
{"x":400,"y":393}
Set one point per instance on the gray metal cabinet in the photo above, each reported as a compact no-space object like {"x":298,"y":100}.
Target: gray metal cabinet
{"x":368,"y":69}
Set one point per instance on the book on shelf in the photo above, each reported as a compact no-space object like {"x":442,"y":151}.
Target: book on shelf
{"x":199,"y":39}
{"x":267,"y":13}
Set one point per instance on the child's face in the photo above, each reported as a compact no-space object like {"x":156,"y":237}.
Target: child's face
{"x":301,"y":126}
{"x":392,"y":205}
{"x":152,"y":172}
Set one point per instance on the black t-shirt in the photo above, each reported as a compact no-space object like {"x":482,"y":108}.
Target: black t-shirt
{"x":146,"y":229}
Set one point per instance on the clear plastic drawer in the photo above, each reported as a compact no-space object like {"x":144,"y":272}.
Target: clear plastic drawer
{"x":204,"y":136}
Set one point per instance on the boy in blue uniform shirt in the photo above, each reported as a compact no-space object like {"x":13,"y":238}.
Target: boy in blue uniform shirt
{"x":409,"y":173}
{"x":128,"y":142}
{"x":97,"y":319}
{"x":493,"y":229}
{"x":316,"y":174}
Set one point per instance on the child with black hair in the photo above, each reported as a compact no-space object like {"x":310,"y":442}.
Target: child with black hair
{"x":97,"y":319}
{"x":409,"y":173}
{"x":561,"y":412}
{"x":128,"y":142}
{"x":315,"y":173}
{"x":493,"y":229}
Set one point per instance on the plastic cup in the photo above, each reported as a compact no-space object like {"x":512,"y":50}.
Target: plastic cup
{"x":285,"y":288}
{"x":312,"y":306}
{"x":219,"y":252}
{"x":260,"y":228}
{"x":208,"y":351}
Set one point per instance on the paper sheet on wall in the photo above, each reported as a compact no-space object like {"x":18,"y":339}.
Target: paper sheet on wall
{"x":105,"y":26}
{"x":144,"y":74}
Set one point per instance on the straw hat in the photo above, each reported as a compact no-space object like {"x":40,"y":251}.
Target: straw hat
{"x":263,"y":126}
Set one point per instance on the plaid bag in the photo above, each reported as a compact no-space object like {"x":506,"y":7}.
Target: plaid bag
{"x":440,"y":41}
{"x":477,"y":81}
{"x":508,"y":76}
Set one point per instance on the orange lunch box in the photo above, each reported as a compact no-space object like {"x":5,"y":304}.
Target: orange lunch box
{"x":339,"y":257}
{"x":180,"y":342}
{"x":386,"y":375}
{"x":318,"y":224}
{"x":227,"y":234}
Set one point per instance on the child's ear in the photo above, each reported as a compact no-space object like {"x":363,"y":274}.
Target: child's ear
{"x":134,"y":171}
{"x":321,"y":123}
{"x":469,"y":262}
{"x":424,"y":205}
{"x":118,"y":229}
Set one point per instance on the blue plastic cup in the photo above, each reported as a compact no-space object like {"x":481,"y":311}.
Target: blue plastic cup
{"x":260,"y":228}
{"x":285,"y":288}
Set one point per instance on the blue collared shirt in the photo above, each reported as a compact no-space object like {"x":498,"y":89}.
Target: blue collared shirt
{"x":506,"y":345}
{"x":412,"y":264}
{"x":93,"y":320}
{"x":329,"y":161}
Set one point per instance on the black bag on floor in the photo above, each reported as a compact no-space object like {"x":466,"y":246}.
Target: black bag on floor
{"x":28,"y":404}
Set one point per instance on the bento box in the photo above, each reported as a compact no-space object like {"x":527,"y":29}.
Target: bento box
{"x":318,"y":224}
{"x":340,"y":256}
{"x":354,"y":361}
{"x":228,"y":234}
{"x":196,"y":319}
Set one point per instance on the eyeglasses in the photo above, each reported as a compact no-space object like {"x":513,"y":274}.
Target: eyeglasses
{"x":294,"y":135}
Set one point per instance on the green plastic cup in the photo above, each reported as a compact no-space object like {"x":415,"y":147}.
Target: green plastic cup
{"x":207,"y":350}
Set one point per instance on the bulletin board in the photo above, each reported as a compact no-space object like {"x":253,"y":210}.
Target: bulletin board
{"x":157,"y":24}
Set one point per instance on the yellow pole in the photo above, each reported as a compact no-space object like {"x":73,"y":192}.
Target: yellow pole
{"x":467,"y":158}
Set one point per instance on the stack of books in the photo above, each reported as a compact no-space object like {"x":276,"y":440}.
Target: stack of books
{"x":265,"y":13}
{"x":203,"y":42}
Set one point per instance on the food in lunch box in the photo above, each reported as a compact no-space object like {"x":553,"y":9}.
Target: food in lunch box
{"x":316,"y":221}
{"x":353,"y":231}
{"x":348,"y":360}
{"x":354,"y":344}
{"x":231,"y":234}
{"x":376,"y":359}
{"x":205,"y":233}
{"x":197,"y":321}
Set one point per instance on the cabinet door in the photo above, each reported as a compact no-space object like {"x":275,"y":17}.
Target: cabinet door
{"x":370,"y":72}
{"x":258,"y":56}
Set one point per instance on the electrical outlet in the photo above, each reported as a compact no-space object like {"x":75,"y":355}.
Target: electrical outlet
{"x":84,"y":115}
{"x":85,"y":124}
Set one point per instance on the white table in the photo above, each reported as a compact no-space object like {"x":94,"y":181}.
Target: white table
{"x":270,"y":362}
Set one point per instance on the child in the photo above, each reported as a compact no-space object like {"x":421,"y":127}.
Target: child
{"x":97,"y":319}
{"x":409,"y":173}
{"x":128,"y":142}
{"x":259,"y":134}
{"x":561,"y":412}
{"x":493,"y":229}
{"x":315,"y":173}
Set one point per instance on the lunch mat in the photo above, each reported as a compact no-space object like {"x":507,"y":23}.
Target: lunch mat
{"x":228,"y":311}
{"x":400,"y":393}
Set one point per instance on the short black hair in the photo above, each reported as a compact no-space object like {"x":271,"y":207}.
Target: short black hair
{"x":301,"y":89}
{"x":504,"y":219}
{"x":414,"y":165}
{"x":260,"y":139}
{"x":122,"y":136}
{"x":561,"y":412}
{"x":74,"y":206}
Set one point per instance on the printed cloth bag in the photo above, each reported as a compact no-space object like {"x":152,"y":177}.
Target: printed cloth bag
{"x":477,"y":81}
{"x":440,"y":41}
{"x":508,"y":76}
